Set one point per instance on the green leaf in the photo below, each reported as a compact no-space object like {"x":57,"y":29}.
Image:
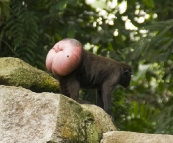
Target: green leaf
{"x":61,"y":5}
{"x":71,"y":33}
{"x":160,"y":35}
{"x":149,"y":3}
{"x":166,"y":45}
{"x":161,"y":57}
{"x":161,"y":87}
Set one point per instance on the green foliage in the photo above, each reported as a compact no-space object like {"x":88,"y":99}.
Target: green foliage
{"x":21,"y":29}
{"x":155,"y":48}
{"x":155,"y":39}
{"x":141,"y":118}
{"x":120,"y":107}
{"x":149,"y":3}
{"x":165,"y":119}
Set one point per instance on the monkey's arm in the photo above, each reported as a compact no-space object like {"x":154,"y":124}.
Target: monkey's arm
{"x":99,"y":99}
{"x":104,"y":93}
{"x":70,"y":86}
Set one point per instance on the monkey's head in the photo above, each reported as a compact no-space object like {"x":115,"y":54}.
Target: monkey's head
{"x":64,"y":57}
{"x":125,"y":76}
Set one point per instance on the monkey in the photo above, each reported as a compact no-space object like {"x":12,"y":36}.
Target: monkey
{"x":77,"y":68}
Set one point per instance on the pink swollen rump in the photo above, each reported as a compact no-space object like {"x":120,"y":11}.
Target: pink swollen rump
{"x":63,"y":58}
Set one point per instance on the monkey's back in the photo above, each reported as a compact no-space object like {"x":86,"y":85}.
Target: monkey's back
{"x":94,"y":70}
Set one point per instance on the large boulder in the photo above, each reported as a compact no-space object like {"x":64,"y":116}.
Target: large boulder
{"x":26,"y":116}
{"x":16,"y":72}
{"x":102,"y":120}
{"x":132,"y":137}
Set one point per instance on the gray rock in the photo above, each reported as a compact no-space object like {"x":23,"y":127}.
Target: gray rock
{"x":102,"y":120}
{"x":16,"y":72}
{"x":132,"y":137}
{"x":30,"y":117}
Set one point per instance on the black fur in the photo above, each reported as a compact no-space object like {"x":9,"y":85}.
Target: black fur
{"x":96,"y":72}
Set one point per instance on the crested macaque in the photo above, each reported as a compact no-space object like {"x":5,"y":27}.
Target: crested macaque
{"x":77,"y":68}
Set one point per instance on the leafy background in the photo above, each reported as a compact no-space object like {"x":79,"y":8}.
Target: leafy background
{"x":141,"y":35}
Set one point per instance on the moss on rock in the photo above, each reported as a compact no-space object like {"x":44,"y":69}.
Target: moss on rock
{"x":15,"y":72}
{"x":82,"y":129}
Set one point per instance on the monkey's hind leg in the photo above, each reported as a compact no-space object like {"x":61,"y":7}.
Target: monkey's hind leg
{"x":70,"y":86}
{"x":99,"y":99}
